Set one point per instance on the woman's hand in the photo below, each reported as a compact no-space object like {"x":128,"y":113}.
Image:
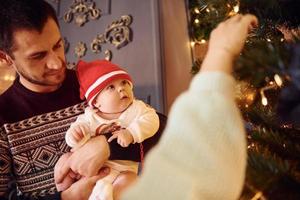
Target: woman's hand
{"x":227,"y":41}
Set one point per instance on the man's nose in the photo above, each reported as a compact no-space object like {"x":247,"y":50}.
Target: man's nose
{"x":54,"y":61}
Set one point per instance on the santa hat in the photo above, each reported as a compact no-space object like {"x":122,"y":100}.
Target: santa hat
{"x":96,"y":75}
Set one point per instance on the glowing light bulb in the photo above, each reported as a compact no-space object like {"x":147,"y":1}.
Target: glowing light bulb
{"x":236,"y":8}
{"x":202,"y":41}
{"x":278,"y":80}
{"x":196,"y":10}
{"x":193,"y":44}
{"x":197,"y":21}
{"x":264,"y":101}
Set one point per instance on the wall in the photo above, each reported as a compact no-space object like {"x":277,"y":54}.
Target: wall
{"x":141,"y":57}
{"x":177,"y":60}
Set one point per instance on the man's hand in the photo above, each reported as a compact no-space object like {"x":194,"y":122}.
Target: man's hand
{"x":124,"y":137}
{"x":82,"y":189}
{"x":86,"y":160}
{"x":69,"y":179}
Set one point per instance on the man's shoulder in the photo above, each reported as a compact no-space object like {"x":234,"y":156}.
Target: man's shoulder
{"x":6,"y":94}
{"x":71,"y":75}
{"x":6,"y":101}
{"x":10,"y":94}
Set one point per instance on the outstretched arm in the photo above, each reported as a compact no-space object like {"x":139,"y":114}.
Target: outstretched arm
{"x":202,"y":153}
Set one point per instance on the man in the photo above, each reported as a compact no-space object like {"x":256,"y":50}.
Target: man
{"x":38,"y":108}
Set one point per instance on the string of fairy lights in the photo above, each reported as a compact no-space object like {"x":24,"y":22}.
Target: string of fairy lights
{"x":196,"y":15}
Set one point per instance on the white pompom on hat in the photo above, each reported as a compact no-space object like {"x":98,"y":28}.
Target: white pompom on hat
{"x":94,"y":76}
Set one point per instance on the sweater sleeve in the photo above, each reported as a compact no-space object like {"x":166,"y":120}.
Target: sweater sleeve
{"x":83,"y":123}
{"x":202,"y":152}
{"x":145,"y":125}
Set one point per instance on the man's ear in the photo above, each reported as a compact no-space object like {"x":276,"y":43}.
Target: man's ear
{"x":5,"y":58}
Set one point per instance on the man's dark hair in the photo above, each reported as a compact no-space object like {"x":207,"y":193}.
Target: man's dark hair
{"x":22,"y":14}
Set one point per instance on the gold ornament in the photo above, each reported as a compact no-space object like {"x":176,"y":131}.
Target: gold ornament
{"x":81,"y":10}
{"x":80,"y":49}
{"x":118,"y":34}
{"x":245,"y":94}
{"x":272,"y":85}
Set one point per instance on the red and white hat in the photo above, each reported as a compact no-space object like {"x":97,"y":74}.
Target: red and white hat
{"x":96,"y":75}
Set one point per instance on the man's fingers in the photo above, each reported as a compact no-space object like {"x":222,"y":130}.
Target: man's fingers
{"x":102,"y":173}
{"x":63,"y":171}
{"x":114,"y":136}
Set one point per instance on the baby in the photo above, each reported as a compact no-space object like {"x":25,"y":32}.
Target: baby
{"x":113,"y":109}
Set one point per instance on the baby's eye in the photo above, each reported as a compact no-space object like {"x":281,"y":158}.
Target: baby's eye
{"x":110,"y":87}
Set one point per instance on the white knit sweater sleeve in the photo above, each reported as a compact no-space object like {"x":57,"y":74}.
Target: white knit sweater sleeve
{"x":202,"y":152}
{"x":145,"y":124}
{"x":83,"y":122}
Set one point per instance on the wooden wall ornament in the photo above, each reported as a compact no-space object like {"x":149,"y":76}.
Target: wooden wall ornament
{"x":80,"y":49}
{"x":81,"y":10}
{"x":108,"y":55}
{"x":118,"y":33}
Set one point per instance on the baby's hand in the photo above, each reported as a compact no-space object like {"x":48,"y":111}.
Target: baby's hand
{"x":124,"y":137}
{"x":77,"y":134}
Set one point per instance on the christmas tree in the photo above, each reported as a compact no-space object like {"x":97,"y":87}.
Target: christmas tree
{"x":268,"y":74}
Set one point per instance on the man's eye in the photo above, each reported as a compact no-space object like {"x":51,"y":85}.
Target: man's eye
{"x":38,"y":56}
{"x":59,"y":45}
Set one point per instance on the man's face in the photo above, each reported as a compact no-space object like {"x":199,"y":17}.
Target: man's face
{"x":39,"y":58}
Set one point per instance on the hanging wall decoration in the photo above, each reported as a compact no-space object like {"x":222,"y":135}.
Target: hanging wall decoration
{"x":81,"y":10}
{"x":80,"y":49}
{"x":108,"y":55}
{"x":118,"y":33}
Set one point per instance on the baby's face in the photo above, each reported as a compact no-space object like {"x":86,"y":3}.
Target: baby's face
{"x":115,"y":97}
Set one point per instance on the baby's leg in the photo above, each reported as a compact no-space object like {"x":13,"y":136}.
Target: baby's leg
{"x":123,"y":181}
{"x":103,"y":189}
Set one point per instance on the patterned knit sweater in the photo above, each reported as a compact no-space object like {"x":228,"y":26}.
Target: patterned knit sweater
{"x":202,"y":153}
{"x":32,"y":129}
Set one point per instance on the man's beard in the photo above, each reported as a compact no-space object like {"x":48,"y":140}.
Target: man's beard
{"x":36,"y":81}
